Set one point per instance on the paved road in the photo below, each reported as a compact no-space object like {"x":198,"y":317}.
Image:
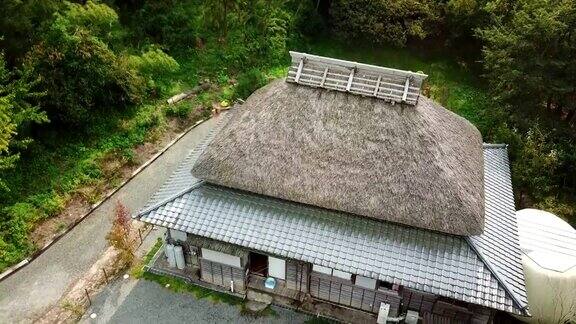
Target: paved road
{"x":141,"y":302}
{"x":31,"y":291}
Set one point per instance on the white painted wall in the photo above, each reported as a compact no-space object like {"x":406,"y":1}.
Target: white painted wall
{"x":342,"y":274}
{"x":222,"y":258}
{"x":178,"y":235}
{"x":321,"y":269}
{"x":365,"y":282}
{"x":332,"y":272}
{"x":276,"y":268}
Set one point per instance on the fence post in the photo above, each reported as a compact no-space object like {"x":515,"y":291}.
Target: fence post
{"x":88,"y":296}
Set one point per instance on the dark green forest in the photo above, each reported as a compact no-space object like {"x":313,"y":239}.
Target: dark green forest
{"x":84,"y":82}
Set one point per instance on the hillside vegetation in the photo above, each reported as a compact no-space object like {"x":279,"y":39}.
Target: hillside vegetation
{"x":83,"y":83}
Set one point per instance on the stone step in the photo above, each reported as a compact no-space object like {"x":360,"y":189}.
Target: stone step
{"x":259,"y":297}
{"x":255,"y":307}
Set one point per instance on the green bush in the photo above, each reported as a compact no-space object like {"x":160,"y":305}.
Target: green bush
{"x":15,"y":222}
{"x":181,"y":109}
{"x":156,"y":66}
{"x":21,"y":25}
{"x":249,"y":82}
{"x":558,"y":207}
{"x":101,"y":20}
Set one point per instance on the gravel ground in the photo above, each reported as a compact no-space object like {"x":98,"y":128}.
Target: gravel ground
{"x":32,"y":290}
{"x":142,"y":301}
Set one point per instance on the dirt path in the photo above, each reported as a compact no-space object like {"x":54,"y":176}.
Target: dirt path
{"x":33,"y":289}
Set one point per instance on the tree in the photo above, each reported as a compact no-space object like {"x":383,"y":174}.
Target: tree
{"x":78,"y":69}
{"x":530,"y":52}
{"x":17,"y":111}
{"x":384,"y":21}
{"x":535,"y":164}
{"x":21,"y":24}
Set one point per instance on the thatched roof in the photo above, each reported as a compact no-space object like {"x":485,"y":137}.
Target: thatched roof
{"x":416,"y":165}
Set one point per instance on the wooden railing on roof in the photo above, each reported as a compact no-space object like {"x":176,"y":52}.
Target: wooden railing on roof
{"x":396,"y":86}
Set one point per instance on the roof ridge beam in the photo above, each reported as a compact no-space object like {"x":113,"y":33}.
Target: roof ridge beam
{"x":357,"y":78}
{"x":522,"y":306}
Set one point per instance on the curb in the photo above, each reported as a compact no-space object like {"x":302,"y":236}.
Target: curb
{"x":15,"y":268}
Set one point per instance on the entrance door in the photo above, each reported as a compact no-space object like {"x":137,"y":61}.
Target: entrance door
{"x":258,"y":264}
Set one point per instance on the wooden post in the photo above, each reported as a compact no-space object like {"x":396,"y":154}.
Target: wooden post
{"x":350,"y":78}
{"x":324,"y":77}
{"x":377,"y":88}
{"x":299,"y":72}
{"x":140,"y":235}
{"x":88,"y":296}
{"x":406,"y":85}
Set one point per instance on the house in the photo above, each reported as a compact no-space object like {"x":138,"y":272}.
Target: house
{"x":343,"y":185}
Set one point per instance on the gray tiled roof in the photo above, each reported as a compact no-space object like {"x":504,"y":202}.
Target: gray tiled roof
{"x":182,"y":178}
{"x":479,"y":270}
{"x":499,"y":244}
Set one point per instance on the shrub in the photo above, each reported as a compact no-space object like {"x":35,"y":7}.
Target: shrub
{"x":16,"y":114}
{"x":14,"y":227}
{"x":101,"y":20}
{"x":181,"y":109}
{"x":156,"y":66}
{"x":119,"y":235}
{"x":248,"y":82}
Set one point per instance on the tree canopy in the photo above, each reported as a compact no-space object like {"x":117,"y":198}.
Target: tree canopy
{"x":530,"y":52}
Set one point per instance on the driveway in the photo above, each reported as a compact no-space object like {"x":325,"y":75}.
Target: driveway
{"x":142,"y":301}
{"x":32,"y":290}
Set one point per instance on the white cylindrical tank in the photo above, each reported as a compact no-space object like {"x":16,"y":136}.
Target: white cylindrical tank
{"x":179,"y":255}
{"x":170,"y":255}
{"x":548,"y":246}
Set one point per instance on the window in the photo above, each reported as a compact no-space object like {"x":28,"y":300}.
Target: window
{"x":385,"y":285}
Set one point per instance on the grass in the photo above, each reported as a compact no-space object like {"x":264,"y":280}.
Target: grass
{"x":181,"y":286}
{"x":319,"y":320}
{"x":138,"y":269}
{"x":268,"y":311}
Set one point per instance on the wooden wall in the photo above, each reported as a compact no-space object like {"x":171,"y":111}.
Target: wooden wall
{"x":344,"y":292}
{"x":221,"y":275}
{"x":418,"y":301}
{"x":297,"y":275}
